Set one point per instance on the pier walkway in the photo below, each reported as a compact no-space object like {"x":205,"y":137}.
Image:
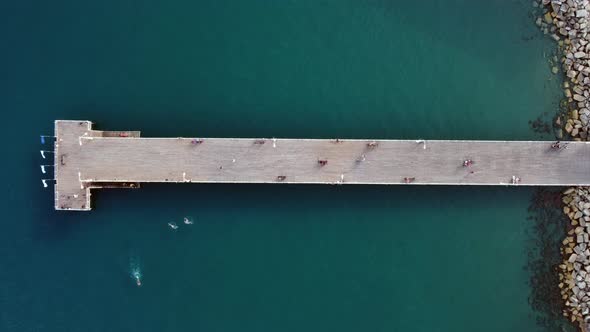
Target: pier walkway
{"x":86,"y":159}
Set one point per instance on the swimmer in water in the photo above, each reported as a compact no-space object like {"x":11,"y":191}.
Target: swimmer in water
{"x":135,"y":269}
{"x":136,"y":274}
{"x":173,"y":225}
{"x":188,"y":221}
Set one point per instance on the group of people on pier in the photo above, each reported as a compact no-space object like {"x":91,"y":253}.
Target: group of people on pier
{"x":558,"y":145}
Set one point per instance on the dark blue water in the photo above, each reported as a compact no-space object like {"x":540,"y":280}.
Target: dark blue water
{"x":270,"y":258}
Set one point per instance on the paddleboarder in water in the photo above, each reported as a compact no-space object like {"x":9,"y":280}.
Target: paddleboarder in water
{"x":137,"y":277}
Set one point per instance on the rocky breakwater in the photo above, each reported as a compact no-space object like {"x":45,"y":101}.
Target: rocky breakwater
{"x":568,"y":22}
{"x":574,"y":273}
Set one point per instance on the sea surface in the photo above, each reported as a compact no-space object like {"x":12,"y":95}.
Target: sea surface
{"x":270,"y":257}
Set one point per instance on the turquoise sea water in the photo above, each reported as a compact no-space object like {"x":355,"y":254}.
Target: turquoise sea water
{"x":270,"y":258}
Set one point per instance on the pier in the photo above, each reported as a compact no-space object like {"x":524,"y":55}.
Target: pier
{"x":87,"y":159}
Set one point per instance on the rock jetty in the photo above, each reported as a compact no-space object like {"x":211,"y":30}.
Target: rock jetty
{"x":568,"y":23}
{"x":574,"y":274}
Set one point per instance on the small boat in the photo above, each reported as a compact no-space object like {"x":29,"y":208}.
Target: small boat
{"x":173,"y":225}
{"x":188,"y":221}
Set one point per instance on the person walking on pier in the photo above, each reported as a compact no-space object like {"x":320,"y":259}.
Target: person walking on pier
{"x":558,"y":145}
{"x":409,"y":180}
{"x":372,"y":144}
{"x":515,"y":179}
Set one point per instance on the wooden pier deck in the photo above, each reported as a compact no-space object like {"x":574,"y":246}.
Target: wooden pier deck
{"x":87,"y":159}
